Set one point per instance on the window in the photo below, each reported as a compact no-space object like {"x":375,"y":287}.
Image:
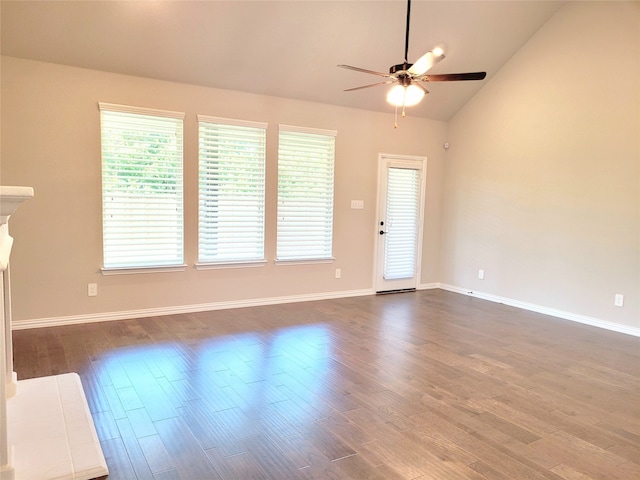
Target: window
{"x":231,"y":185}
{"x":142,"y":200}
{"x":305,"y":193}
{"x":403,"y":213}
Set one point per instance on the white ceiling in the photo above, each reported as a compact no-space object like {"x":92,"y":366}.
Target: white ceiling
{"x":281,"y":48}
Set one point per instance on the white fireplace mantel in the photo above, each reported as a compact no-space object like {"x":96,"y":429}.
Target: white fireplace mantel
{"x":10,"y":198}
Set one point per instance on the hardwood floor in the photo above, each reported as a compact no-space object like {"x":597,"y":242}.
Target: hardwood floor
{"x":424,"y":385}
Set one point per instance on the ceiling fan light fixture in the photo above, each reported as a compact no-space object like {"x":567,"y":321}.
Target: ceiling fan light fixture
{"x":407,"y":93}
{"x":407,"y":96}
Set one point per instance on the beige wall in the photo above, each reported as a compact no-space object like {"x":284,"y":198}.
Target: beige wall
{"x":51,"y":141}
{"x":540,"y":187}
{"x":542,"y":178}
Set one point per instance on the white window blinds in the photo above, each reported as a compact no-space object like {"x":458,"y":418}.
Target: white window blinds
{"x":142,"y":199}
{"x":403,"y":187}
{"x":232,"y":188}
{"x":305,"y":193}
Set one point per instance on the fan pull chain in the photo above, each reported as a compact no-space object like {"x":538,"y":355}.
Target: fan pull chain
{"x":395,"y":120}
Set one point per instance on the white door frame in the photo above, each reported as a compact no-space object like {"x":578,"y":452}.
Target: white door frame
{"x":408,"y":161}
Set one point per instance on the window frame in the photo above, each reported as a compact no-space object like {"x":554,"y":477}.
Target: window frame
{"x":179,"y":264}
{"x":239,"y":262}
{"x":303,"y":259}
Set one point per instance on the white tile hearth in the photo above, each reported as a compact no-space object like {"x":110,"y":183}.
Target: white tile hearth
{"x":51,"y":431}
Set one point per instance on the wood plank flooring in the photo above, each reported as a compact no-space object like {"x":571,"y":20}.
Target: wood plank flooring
{"x":423,"y":385}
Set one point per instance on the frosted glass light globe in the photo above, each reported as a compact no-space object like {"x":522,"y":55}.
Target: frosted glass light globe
{"x":405,"y":96}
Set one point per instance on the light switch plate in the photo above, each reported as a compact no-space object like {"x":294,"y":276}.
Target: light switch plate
{"x":357,"y":204}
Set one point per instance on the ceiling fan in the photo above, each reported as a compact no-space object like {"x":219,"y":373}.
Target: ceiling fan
{"x":409,"y":78}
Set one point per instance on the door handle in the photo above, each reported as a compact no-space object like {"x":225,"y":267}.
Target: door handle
{"x":382,"y":232}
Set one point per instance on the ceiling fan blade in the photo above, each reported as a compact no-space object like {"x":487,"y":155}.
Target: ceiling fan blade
{"x":363,"y":70}
{"x":368,"y":86}
{"x":453,"y":77}
{"x":424,"y":63}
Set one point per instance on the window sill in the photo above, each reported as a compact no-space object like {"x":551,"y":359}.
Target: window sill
{"x":136,"y":270}
{"x":305,"y":261}
{"x":220,"y":265}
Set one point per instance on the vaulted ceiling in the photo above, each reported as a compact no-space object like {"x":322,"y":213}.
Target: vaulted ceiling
{"x":280,"y":48}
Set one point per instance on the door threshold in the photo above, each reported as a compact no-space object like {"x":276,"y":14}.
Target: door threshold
{"x":400,"y":290}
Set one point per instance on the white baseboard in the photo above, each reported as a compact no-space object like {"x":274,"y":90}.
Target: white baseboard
{"x":574,"y":317}
{"x":152,"y":312}
{"x":203,"y":307}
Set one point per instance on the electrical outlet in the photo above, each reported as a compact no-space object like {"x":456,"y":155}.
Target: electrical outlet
{"x":481,"y":274}
{"x":92,"y":289}
{"x":338,"y":273}
{"x":618,"y":300}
